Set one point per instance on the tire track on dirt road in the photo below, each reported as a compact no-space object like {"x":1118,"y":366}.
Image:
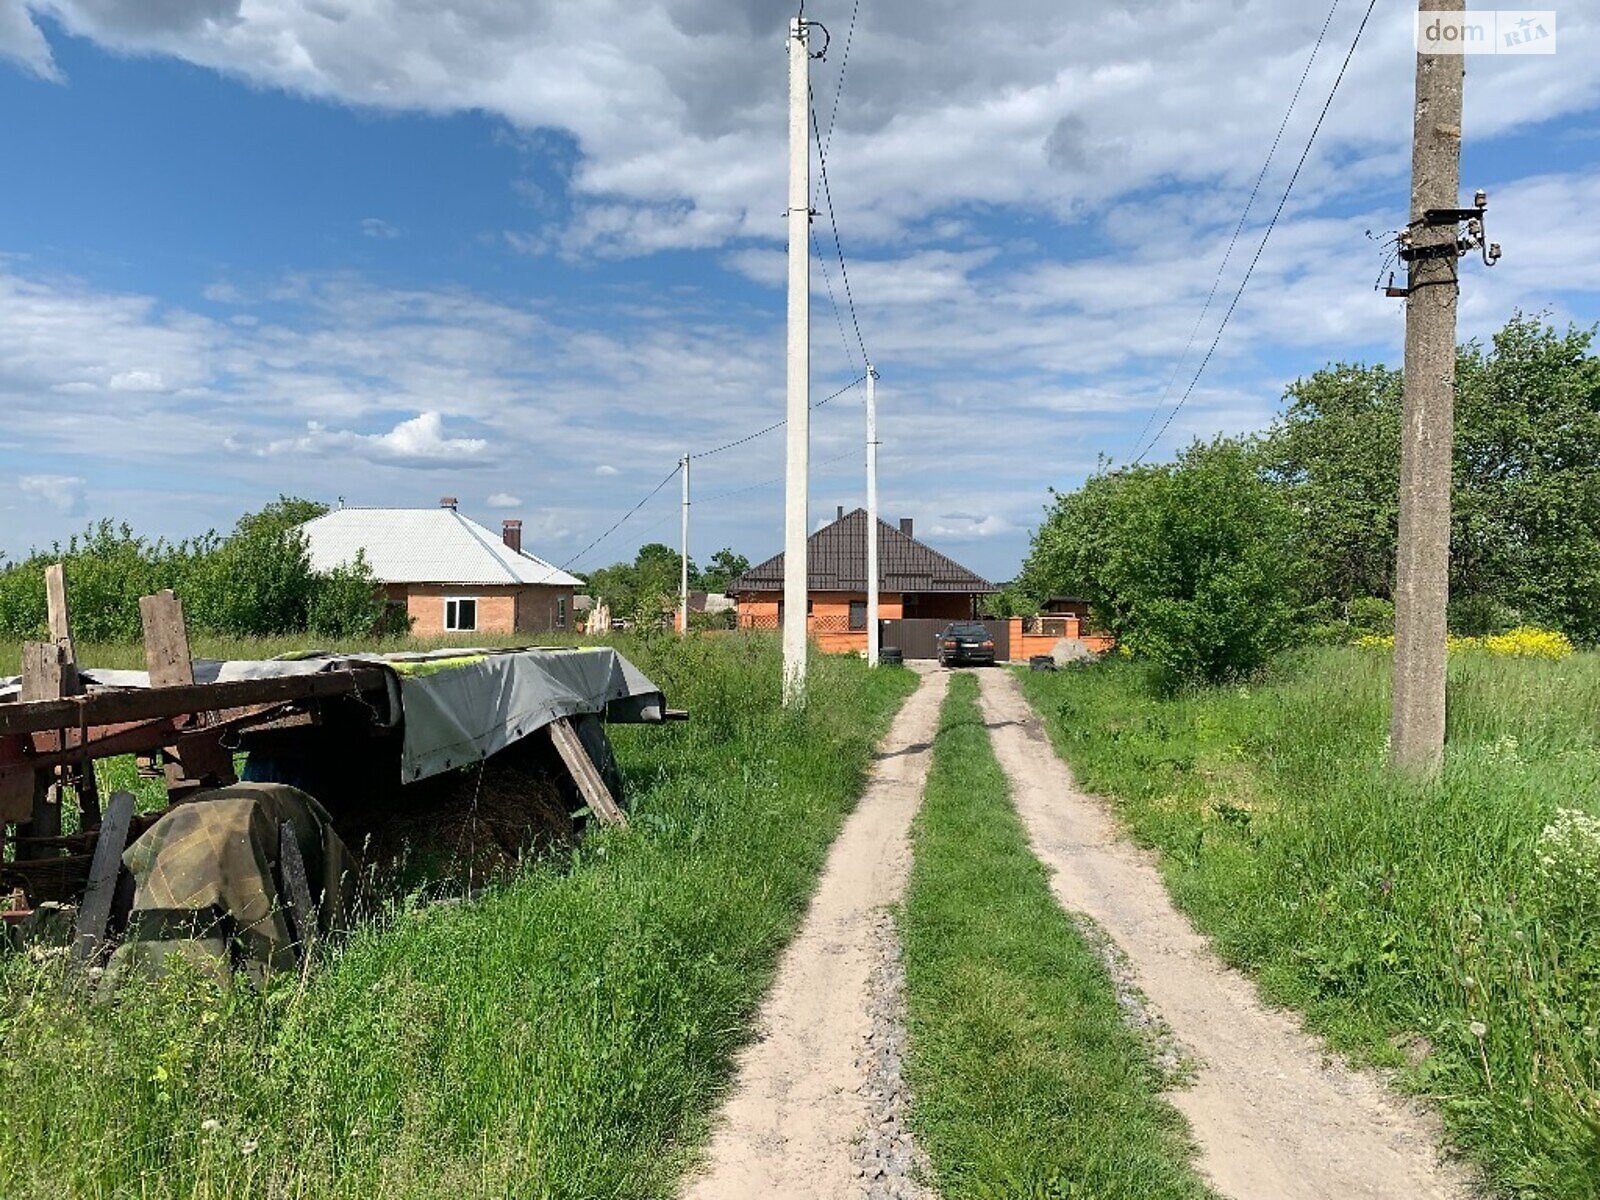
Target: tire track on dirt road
{"x":1276,"y":1118}
{"x":793,"y":1124}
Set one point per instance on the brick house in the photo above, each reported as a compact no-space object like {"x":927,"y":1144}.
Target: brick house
{"x":449,"y":573}
{"x":915,"y":581}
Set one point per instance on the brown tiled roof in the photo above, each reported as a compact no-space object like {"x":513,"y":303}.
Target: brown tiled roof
{"x":836,"y":561}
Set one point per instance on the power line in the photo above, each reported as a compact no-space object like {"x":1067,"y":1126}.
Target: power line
{"x":671,"y":475}
{"x":1239,"y":228}
{"x":844,"y":65}
{"x":833,"y":221}
{"x":1271,"y":225}
{"x":739,"y":491}
{"x":776,"y":425}
{"x":833,"y":303}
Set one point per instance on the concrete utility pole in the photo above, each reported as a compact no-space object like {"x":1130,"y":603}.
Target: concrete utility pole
{"x":872,"y":516}
{"x":683,"y":585}
{"x":797,"y":497}
{"x":1427,"y":435}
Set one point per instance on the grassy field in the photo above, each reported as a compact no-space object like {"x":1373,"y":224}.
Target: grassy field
{"x":1028,"y":1083}
{"x":1450,"y":930}
{"x":565,"y":1036}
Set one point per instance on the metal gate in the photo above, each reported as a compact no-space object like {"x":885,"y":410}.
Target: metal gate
{"x":918,"y":637}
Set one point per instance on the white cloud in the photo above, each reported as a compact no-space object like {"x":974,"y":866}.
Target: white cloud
{"x":418,"y":442}
{"x":23,"y":43}
{"x":676,"y":106}
{"x":63,"y":493}
{"x":504,"y":500}
{"x":605,"y":469}
{"x":136,"y":381}
{"x":377,"y":227}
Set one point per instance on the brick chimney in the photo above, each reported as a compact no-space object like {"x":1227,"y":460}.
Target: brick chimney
{"x":905,"y":526}
{"x":447,"y":502}
{"x":511,"y":535}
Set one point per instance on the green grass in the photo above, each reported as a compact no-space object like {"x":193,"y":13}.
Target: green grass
{"x":1027,"y":1082}
{"x":566,"y":1036}
{"x":1402,"y":918}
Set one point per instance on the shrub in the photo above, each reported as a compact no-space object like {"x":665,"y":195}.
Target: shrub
{"x":256,"y":582}
{"x":1192,"y":565}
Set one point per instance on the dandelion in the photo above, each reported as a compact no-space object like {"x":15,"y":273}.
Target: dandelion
{"x":210,"y":1125}
{"x":247,"y":1148}
{"x":1478,"y":1029}
{"x":1469,"y":983}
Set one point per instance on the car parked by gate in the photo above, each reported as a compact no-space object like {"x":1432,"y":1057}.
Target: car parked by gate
{"x":965,"y":643}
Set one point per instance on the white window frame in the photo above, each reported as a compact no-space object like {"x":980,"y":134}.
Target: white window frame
{"x":561,"y":612}
{"x":452,"y":610}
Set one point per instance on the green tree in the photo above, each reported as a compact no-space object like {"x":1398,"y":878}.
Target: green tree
{"x":725,"y":566}
{"x":1193,"y":565}
{"x":1336,"y":451}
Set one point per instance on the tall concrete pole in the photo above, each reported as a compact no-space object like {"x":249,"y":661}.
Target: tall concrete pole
{"x":872,"y":516}
{"x":797,"y":497}
{"x":1428,"y":423}
{"x":683,"y":585}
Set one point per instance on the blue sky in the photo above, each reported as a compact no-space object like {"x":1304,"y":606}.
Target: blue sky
{"x":529,"y":254}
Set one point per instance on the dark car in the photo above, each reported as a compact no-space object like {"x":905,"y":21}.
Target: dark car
{"x":965,"y":643}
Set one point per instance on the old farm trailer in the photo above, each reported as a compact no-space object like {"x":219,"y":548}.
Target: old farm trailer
{"x":357,"y":731}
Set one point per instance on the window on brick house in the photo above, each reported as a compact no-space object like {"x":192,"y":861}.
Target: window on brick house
{"x":460,"y":614}
{"x":561,"y":612}
{"x":858,"y":614}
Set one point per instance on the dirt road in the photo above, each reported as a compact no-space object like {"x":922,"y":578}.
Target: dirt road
{"x":800,"y":1107}
{"x":1275,"y":1118}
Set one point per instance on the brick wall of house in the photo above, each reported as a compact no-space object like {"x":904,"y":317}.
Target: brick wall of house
{"x":501,"y":609}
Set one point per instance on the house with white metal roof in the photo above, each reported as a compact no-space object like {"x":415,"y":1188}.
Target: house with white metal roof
{"x":450,"y":574}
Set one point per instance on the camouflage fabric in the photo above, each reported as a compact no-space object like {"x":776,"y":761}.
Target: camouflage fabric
{"x":208,"y":886}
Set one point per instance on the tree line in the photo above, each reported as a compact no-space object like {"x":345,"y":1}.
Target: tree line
{"x":256,"y":581}
{"x":1242,"y":546}
{"x":645,"y":590}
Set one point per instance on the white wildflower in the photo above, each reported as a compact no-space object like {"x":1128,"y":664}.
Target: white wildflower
{"x":1478,"y":1029}
{"x":210,"y":1125}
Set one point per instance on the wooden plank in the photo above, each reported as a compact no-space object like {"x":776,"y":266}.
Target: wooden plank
{"x":42,"y":679}
{"x":42,"y":676}
{"x":95,"y":910}
{"x":196,"y":760}
{"x":166,"y":640}
{"x":117,"y":706}
{"x":302,"y":913}
{"x":81,"y":777}
{"x":55,"y":594}
{"x":590,"y":786}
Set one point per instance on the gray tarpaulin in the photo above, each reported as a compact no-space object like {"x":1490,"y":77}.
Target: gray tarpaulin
{"x":458,"y":706}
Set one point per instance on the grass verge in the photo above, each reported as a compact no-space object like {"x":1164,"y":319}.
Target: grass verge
{"x":565,"y":1036}
{"x":1450,"y":930}
{"x":1027,"y":1081}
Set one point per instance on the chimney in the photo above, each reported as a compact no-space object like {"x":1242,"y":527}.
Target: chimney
{"x":511,"y":535}
{"x":447,"y":502}
{"x":839,"y":516}
{"x":905,"y":526}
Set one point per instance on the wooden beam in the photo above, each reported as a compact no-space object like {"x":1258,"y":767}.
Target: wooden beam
{"x":43,"y":679}
{"x":590,"y":786}
{"x":197,"y":760}
{"x":81,"y":775}
{"x":118,"y":706}
{"x":166,"y":640}
{"x":302,"y":913}
{"x":95,"y":910}
{"x":42,"y":675}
